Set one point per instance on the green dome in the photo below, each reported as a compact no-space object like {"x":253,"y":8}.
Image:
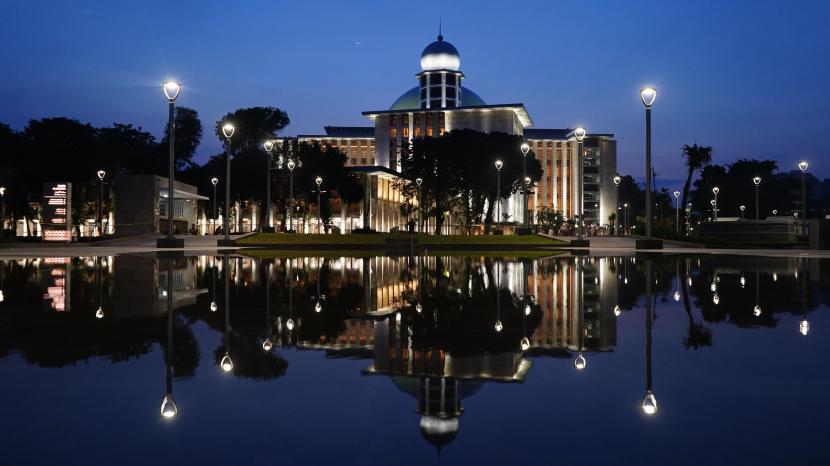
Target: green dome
{"x":410,"y":100}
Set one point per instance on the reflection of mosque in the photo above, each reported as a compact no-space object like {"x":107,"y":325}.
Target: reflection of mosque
{"x":390,"y":325}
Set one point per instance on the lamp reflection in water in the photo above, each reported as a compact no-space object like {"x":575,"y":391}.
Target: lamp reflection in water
{"x":617,"y":311}
{"x":226,"y":363}
{"x":267,"y":344}
{"x":498,"y":325}
{"x":169,"y":410}
{"x":649,"y":404}
{"x":99,"y":314}
{"x":580,"y":361}
{"x":213,"y":305}
{"x":804,"y":325}
{"x":318,"y":306}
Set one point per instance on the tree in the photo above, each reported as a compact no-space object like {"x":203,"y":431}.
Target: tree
{"x":188,"y":136}
{"x":253,"y":126}
{"x":697,"y":157}
{"x":459,"y":174}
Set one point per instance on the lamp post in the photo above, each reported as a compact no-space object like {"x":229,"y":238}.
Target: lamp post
{"x":319,"y":181}
{"x":525,"y":147}
{"x":2,"y":212}
{"x":803,"y":167}
{"x":227,"y":131}
{"x":713,"y":203}
{"x":625,"y":230}
{"x":226,"y":364}
{"x":171,"y":91}
{"x":214,"y":181}
{"x":677,"y":211}
{"x":418,"y":182}
{"x":169,"y":410}
{"x":579,"y":361}
{"x":290,"y":166}
{"x":499,"y":164}
{"x":715,"y":191}
{"x":101,"y":174}
{"x":579,"y":134}
{"x":757,"y":181}
{"x":647,"y":95}
{"x":617,"y":180}
{"x":742,"y":209}
{"x":649,"y":404}
{"x":266,"y":219}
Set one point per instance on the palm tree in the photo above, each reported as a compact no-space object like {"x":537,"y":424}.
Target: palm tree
{"x":697,"y":157}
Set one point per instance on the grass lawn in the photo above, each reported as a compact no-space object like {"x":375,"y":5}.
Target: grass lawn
{"x":380,"y":238}
{"x":299,"y":253}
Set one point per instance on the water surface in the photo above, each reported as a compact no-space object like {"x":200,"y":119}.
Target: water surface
{"x":138,"y":359}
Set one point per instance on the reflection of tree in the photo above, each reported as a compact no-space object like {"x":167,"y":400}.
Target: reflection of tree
{"x":249,"y":360}
{"x":460,"y":308}
{"x":697,"y":335}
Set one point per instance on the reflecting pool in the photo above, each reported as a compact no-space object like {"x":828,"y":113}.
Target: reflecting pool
{"x":658,"y":359}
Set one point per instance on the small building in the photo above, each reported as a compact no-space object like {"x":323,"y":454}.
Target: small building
{"x":141,"y":205}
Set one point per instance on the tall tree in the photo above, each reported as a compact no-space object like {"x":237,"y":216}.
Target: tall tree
{"x":696,"y":157}
{"x":188,"y":136}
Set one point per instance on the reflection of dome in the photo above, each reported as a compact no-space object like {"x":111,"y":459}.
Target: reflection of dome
{"x":440,"y":55}
{"x":410,"y":99}
{"x":439,"y":431}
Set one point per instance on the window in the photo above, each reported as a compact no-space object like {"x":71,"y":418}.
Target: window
{"x":450,"y":103}
{"x":405,"y":132}
{"x":393,"y":132}
{"x":423,"y":93}
{"x":423,"y":80}
{"x":450,"y":79}
{"x":393,"y":120}
{"x":441,"y":123}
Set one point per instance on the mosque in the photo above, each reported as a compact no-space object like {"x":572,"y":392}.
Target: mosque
{"x":439,"y":103}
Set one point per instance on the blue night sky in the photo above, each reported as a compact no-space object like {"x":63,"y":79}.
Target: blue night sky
{"x":748,"y":78}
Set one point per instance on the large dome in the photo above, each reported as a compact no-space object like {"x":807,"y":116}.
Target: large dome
{"x":440,"y":55}
{"x":409,"y":100}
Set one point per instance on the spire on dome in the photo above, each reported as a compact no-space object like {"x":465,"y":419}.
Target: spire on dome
{"x":440,"y":36}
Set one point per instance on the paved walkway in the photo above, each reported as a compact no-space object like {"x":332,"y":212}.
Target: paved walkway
{"x":111,"y":247}
{"x":600,"y":246}
{"x":626,"y":245}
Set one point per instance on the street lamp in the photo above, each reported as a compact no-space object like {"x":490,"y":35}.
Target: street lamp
{"x":715,"y":191}
{"x":742,"y":208}
{"x":319,"y":181}
{"x":579,"y":134}
{"x":499,"y":164}
{"x":647,"y":95}
{"x":677,"y":211}
{"x":171,"y":92}
{"x":2,"y":211}
{"x":169,"y":410}
{"x":214,"y":181}
{"x":226,"y":364}
{"x":625,"y":230}
{"x":803,"y":167}
{"x":525,"y":147}
{"x":649,"y":403}
{"x":757,"y":181}
{"x":418,"y":182}
{"x":268,"y":146}
{"x":101,"y":174}
{"x":291,"y":166}
{"x":227,"y":131}
{"x":617,"y":180}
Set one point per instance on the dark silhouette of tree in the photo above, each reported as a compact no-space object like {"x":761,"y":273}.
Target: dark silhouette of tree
{"x":696,"y":157}
{"x":188,"y":136}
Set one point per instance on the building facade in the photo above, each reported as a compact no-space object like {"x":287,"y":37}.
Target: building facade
{"x":440,"y":103}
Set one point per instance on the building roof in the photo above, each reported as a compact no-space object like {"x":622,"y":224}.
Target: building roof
{"x":350,"y":131}
{"x":518,"y":108}
{"x":410,"y":100}
{"x":557,"y":133}
{"x":440,"y":55}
